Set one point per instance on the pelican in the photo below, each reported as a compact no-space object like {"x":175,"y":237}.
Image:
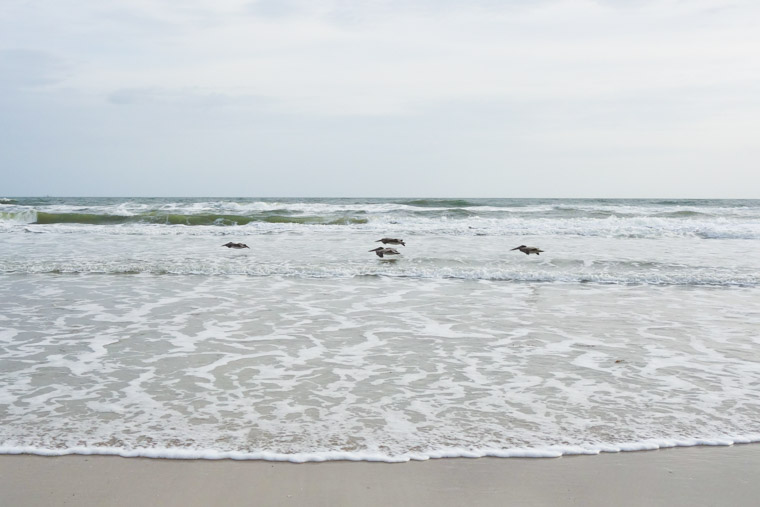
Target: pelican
{"x":380,"y":251}
{"x":392,"y":241}
{"x":235,"y":245}
{"x":527,"y":250}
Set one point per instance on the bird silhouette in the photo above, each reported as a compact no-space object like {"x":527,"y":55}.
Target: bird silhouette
{"x":527,"y":250}
{"x":392,"y":241}
{"x":380,"y":251}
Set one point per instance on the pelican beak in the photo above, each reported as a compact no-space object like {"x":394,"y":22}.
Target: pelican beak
{"x":515,"y":248}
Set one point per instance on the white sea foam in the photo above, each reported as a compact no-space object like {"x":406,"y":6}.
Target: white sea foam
{"x":612,"y":227}
{"x":371,"y":368}
{"x":563,"y":267}
{"x":211,"y":454}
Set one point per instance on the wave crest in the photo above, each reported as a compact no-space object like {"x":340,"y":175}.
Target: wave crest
{"x":188,"y":219}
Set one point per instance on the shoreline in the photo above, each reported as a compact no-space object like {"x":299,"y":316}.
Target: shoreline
{"x":550,"y":452}
{"x":700,"y":475}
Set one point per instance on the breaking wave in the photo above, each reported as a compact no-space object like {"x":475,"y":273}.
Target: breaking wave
{"x":189,"y":219}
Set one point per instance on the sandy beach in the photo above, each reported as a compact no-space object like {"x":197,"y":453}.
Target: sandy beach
{"x":693,"y":476}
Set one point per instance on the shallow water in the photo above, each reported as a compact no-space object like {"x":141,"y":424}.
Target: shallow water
{"x":140,"y":338}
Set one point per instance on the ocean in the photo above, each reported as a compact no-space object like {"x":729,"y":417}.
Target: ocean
{"x":127,"y":328}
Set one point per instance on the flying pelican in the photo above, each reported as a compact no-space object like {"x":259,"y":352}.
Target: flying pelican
{"x":380,"y":251}
{"x":527,"y":250}
{"x":392,"y":241}
{"x":235,"y":245}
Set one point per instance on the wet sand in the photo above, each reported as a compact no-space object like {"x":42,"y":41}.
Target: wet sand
{"x":694,"y":476}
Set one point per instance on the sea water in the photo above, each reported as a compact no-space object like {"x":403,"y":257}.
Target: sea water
{"x":127,"y":328}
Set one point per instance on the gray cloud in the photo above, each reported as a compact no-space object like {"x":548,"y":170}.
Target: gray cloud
{"x":170,"y":99}
{"x":274,"y":8}
{"x":22,"y":68}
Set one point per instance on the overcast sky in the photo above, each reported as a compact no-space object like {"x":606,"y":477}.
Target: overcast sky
{"x":479,"y":98}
